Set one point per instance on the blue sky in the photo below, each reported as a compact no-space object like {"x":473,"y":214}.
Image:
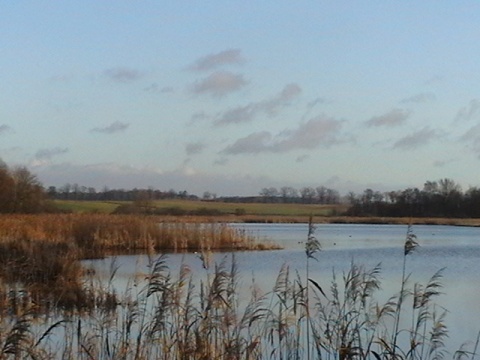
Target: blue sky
{"x":230,"y":97}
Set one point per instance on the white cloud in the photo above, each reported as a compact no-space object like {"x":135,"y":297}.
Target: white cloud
{"x":271,"y":107}
{"x":251,"y":144}
{"x":219,"y":83}
{"x":319,"y":131}
{"x":43,"y":156}
{"x":419,"y":98}
{"x":194,"y":148}
{"x":114,"y":127}
{"x":213,"y":61}
{"x":394,"y":117}
{"x":123,"y":75}
{"x":416,"y":139}
{"x":468,"y":112}
{"x":156,"y":89}
{"x":472,"y":138}
{"x":4,"y":129}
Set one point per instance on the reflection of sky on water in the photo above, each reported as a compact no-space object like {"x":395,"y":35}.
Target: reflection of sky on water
{"x":455,"y":248}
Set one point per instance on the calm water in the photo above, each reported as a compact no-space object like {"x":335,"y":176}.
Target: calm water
{"x":457,"y":249}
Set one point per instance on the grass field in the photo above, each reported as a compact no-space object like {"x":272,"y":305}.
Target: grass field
{"x":104,"y":207}
{"x":258,"y":212}
{"x":263,"y":209}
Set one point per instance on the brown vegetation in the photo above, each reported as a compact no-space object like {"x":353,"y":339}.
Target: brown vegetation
{"x":172,"y":316}
{"x":40,"y":254}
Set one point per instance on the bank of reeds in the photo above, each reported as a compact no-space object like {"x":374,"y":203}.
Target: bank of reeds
{"x":173,"y":316}
{"x":176,"y":315}
{"x":40,"y":254}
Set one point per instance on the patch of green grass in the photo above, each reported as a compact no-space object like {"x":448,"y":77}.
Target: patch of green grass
{"x":77,"y":206}
{"x":193,"y":206}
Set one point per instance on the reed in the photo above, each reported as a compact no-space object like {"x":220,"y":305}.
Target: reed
{"x":181,"y":315}
{"x":40,"y":254}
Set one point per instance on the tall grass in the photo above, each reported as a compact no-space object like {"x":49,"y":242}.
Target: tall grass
{"x":40,"y":254}
{"x":181,"y":315}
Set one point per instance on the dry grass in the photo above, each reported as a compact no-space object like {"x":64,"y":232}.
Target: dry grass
{"x":40,"y":254}
{"x":100,"y":232}
{"x":179,"y":316}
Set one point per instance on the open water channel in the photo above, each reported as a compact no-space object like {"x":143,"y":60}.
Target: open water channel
{"x":457,"y":249}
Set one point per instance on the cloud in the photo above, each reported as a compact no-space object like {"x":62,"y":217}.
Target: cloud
{"x":155,"y":88}
{"x":221,"y":162}
{"x":123,"y":75}
{"x":419,"y":98}
{"x":394,"y":117}
{"x":270,"y":107}
{"x":114,"y":127}
{"x":416,"y":139}
{"x":434,"y":80}
{"x":319,"y":131}
{"x":47,"y":154}
{"x":317,"y":101}
{"x":219,"y":83}
{"x":443,"y":162}
{"x":251,"y":144}
{"x":302,"y":158}
{"x":5,"y":129}
{"x":472,"y":138}
{"x":468,"y":112}
{"x":194,"y":148}
{"x":213,"y":61}
{"x":43,"y":156}
{"x":198,"y":116}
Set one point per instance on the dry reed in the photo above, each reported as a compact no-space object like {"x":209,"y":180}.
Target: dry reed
{"x":174,"y":316}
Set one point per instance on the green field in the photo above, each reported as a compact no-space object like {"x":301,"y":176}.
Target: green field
{"x":198,"y":205}
{"x":104,"y":207}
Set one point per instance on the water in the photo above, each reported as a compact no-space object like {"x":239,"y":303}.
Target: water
{"x":457,"y":249}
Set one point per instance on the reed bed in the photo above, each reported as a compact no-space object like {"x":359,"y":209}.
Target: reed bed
{"x":181,"y":315}
{"x":40,"y":254}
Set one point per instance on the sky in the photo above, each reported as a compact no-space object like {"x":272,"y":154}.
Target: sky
{"x":230,"y":97}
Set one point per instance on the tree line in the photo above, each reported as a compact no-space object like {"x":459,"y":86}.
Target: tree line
{"x":79,"y":192}
{"x":22,"y":192}
{"x":442,"y":198}
{"x":305,"y":195}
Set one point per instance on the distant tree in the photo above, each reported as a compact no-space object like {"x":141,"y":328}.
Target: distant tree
{"x":288,"y":194}
{"x":332,"y":197}
{"x":321,"y":194}
{"x":308,"y":195}
{"x":269,"y":194}
{"x":207,"y":195}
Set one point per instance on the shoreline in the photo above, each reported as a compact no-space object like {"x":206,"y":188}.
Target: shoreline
{"x":262,"y":219}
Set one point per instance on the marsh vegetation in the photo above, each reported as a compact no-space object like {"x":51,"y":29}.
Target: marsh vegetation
{"x":178,"y":313}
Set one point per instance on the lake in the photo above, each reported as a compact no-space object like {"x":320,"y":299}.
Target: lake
{"x":457,"y":249}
